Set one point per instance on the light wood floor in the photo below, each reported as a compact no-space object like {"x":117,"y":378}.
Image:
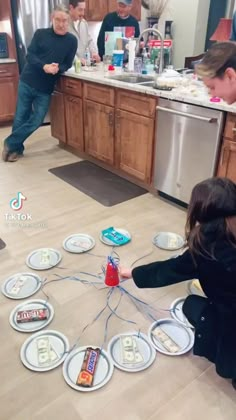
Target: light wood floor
{"x":176,"y":388}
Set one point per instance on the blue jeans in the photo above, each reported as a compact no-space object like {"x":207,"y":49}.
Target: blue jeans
{"x":32,"y":106}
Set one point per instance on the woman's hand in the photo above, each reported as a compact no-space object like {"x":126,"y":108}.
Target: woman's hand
{"x":126,"y":273}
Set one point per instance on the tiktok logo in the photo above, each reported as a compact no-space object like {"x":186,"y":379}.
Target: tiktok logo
{"x":17,"y":203}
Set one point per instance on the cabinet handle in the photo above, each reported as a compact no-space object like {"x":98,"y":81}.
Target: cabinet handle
{"x":110,"y":118}
{"x":233,"y":129}
{"x":223,"y":155}
{"x":117,"y":119}
{"x":3,"y":71}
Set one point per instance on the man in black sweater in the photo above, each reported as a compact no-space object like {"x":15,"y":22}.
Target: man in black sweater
{"x":122,"y":18}
{"x":50,"y":53}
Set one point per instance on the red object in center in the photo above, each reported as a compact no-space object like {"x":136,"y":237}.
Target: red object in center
{"x":112,"y":276}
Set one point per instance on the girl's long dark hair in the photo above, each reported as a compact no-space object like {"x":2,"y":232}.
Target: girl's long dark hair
{"x":211,"y":216}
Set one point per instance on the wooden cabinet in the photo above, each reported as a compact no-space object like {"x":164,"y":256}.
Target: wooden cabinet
{"x":8,"y":91}
{"x":8,"y":71}
{"x":99,"y":131}
{"x":134,"y":143}
{"x":136,"y":103}
{"x":57,"y":116}
{"x":230,"y":127}
{"x":66,"y":112}
{"x":113,"y":126}
{"x":135,"y":11}
{"x":112,"y":6}
{"x":96,"y":10}
{"x":227,"y":164}
{"x":71,"y":86}
{"x":99,"y":93}
{"x":135,"y":134}
{"x":74,"y":122}
{"x":6,"y":25}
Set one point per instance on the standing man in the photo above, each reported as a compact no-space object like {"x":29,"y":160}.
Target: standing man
{"x":78,"y":26}
{"x":218,"y":71}
{"x":50,"y":53}
{"x":122,"y":18}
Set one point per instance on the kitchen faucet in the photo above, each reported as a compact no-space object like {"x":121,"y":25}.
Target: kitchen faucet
{"x":155,"y":31}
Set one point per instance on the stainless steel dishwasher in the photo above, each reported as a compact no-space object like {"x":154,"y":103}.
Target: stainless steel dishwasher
{"x":187,"y":146}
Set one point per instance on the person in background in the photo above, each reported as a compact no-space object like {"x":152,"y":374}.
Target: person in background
{"x":122,"y":18}
{"x":78,"y":26}
{"x":50,"y":54}
{"x":211,"y":258}
{"x":233,"y":29}
{"x":218,"y":70}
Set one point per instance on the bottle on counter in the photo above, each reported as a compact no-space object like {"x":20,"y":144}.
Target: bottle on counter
{"x":87,"y":57}
{"x":131,"y":47}
{"x":77,"y":65}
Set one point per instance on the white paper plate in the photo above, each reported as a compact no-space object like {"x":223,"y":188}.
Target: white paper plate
{"x":181,"y":335}
{"x":34,"y":325}
{"x":110,"y":243}
{"x":43,"y":258}
{"x":59,"y":344}
{"x":144,"y":348}
{"x":73,"y":363}
{"x":194,"y":288}
{"x":24,"y":284}
{"x":168,"y":241}
{"x":176,"y":311}
{"x":78,"y":243}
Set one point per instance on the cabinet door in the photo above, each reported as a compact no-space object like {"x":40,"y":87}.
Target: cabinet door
{"x":134,"y":144}
{"x":74,"y":122}
{"x":99,"y":131}
{"x":230,"y":127}
{"x":8,"y":95}
{"x":227,"y":164}
{"x":135,"y":11}
{"x":96,"y":10}
{"x":57,"y":116}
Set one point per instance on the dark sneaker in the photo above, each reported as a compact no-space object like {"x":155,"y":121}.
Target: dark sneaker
{"x":13,"y":157}
{"x":234,"y":383}
{"x":5,"y":153}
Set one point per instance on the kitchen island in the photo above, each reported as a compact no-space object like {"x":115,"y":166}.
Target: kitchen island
{"x":113,"y":123}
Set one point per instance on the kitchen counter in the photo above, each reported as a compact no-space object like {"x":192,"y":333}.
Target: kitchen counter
{"x":7,"y":60}
{"x":193,"y":93}
{"x":124,"y":115}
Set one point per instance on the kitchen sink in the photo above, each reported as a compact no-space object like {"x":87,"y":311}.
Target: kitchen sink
{"x":150,"y":84}
{"x":133,"y":78}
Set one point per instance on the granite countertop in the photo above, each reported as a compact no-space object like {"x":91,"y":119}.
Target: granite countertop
{"x":193,"y":92}
{"x":7,"y":60}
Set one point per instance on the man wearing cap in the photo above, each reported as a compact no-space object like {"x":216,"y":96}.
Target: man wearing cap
{"x":122,"y":18}
{"x":78,"y":26}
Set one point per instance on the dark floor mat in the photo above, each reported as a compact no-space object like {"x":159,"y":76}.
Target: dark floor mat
{"x":98,"y":183}
{"x":2,"y":244}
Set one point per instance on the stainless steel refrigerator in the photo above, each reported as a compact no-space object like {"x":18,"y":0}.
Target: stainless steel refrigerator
{"x":28,"y":16}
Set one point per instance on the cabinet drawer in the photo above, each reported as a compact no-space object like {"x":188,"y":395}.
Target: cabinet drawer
{"x":136,"y":103}
{"x":99,"y":93}
{"x":72,"y":86}
{"x":230,"y":127}
{"x":8,"y":70}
